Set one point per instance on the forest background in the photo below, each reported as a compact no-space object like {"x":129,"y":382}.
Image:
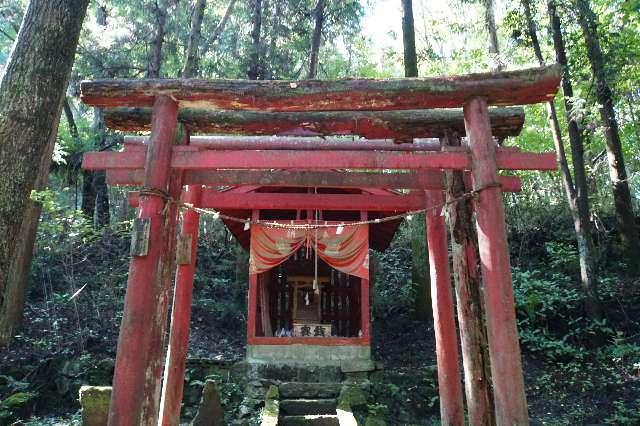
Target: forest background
{"x":573,"y":234}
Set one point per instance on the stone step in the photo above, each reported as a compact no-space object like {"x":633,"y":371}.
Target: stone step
{"x":297,"y":407}
{"x":318,"y":420}
{"x":290,"y":390}
{"x":298,"y":373}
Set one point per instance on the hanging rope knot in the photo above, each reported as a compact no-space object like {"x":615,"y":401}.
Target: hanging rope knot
{"x":476,"y":192}
{"x":154,"y":192}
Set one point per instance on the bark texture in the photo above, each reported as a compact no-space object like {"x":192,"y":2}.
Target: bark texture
{"x":490,"y":25}
{"x":398,"y":125}
{"x":617,"y":171}
{"x":469,"y":299}
{"x":155,"y":61}
{"x":520,"y":87}
{"x":95,"y":194}
{"x":219,"y":28}
{"x":575,"y":190}
{"x":409,"y":40}
{"x":192,"y":56}
{"x":14,"y":297}
{"x":420,"y":279}
{"x":31,"y":97}
{"x":253,"y":72}
{"x":316,"y":39}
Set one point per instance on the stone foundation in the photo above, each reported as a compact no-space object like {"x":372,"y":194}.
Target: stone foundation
{"x":349,"y":357}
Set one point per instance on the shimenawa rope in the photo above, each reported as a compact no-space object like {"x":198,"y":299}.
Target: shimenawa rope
{"x":310,"y":226}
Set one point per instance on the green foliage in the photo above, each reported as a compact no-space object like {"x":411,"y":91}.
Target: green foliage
{"x":393,"y":278}
{"x":624,"y":414}
{"x":15,"y":403}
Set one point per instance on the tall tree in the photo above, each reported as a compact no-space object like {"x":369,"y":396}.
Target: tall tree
{"x":409,"y":40}
{"x":253,"y":71}
{"x":617,"y":170}
{"x":575,"y":189}
{"x":319,"y":18}
{"x":14,"y":297}
{"x":191,"y":58}
{"x":217,"y":31}
{"x":490,"y":25}
{"x":160,"y":14}
{"x":420,"y":260}
{"x":102,"y":215}
{"x":31,"y":96}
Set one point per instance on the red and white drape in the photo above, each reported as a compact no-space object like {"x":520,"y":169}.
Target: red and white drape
{"x":345,"y":248}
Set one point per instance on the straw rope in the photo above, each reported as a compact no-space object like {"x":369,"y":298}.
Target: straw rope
{"x":310,"y":226}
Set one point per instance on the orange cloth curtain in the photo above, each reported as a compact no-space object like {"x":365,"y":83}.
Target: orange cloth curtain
{"x":344,"y":248}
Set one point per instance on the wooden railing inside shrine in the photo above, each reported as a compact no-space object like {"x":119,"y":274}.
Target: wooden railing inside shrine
{"x":398,"y":110}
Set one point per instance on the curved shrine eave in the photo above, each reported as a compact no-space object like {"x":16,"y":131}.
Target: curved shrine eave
{"x":380,"y":234}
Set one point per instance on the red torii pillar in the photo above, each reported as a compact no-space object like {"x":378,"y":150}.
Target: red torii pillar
{"x":172,"y":388}
{"x":252,"y":294}
{"x":365,"y":315}
{"x":131,"y":402}
{"x":444,"y":325}
{"x":502,"y":333}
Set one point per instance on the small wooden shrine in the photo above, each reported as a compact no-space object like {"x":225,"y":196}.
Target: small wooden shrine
{"x":308,"y":209}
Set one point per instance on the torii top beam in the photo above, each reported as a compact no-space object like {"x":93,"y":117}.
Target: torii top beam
{"x":498,"y":88}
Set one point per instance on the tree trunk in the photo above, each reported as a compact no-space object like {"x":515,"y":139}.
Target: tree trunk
{"x":579,"y":207}
{"x":617,"y":171}
{"x":490,"y":25}
{"x":409,"y":40}
{"x":316,"y":39}
{"x":254,"y":57}
{"x":191,"y":58}
{"x":102,"y":216}
{"x":31,"y":97}
{"x":420,"y":279}
{"x":469,"y":299}
{"x":220,"y":27}
{"x":274,"y":34}
{"x":13,"y":302}
{"x":88,"y":204}
{"x":155,"y":62}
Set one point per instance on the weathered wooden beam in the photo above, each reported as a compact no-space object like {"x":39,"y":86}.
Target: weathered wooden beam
{"x":211,"y":198}
{"x":397,"y":125}
{"x":278,"y":201}
{"x":194,"y":160}
{"x":302,"y":143}
{"x":519,"y":87}
{"x":306,"y":178}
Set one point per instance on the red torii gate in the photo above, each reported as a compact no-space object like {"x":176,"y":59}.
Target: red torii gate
{"x":323,"y":107}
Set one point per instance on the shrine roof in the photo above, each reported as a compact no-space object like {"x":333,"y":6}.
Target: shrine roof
{"x":502,"y":88}
{"x":380,"y":234}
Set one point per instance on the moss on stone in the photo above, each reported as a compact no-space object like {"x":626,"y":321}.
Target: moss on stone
{"x":95,"y":402}
{"x":352,"y":396}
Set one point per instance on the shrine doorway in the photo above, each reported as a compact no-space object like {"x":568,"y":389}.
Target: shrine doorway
{"x":294,"y":302}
